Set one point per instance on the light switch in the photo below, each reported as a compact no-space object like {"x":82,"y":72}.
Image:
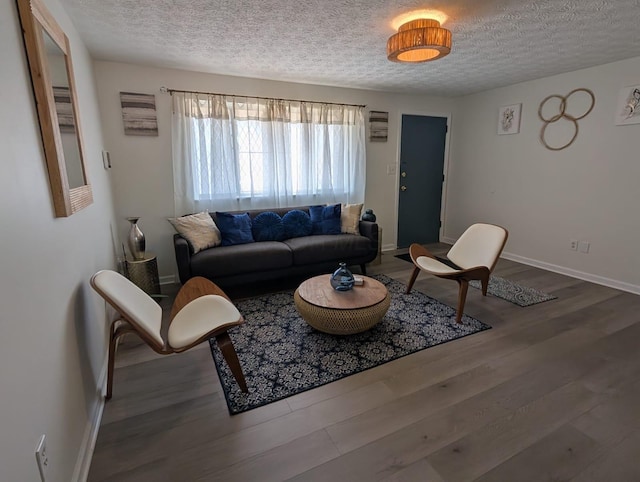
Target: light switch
{"x":391,"y":169}
{"x":106,"y":159}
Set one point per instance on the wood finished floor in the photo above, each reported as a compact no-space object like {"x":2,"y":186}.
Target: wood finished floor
{"x":551,"y":393}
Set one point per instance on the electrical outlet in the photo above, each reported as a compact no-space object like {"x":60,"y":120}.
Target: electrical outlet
{"x":42,"y":459}
{"x":573,"y":244}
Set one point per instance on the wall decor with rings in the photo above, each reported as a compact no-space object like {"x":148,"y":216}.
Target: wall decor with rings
{"x":583,"y":106}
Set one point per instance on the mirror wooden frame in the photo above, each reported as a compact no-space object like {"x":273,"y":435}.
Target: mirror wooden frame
{"x":36,"y":21}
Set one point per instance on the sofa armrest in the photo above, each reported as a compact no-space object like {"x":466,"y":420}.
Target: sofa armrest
{"x":370,"y":230}
{"x":183,"y":257}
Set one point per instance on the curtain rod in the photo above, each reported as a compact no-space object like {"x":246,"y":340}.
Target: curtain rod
{"x":171,"y":91}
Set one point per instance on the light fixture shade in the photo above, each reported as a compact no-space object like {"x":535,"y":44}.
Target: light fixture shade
{"x":420,"y":40}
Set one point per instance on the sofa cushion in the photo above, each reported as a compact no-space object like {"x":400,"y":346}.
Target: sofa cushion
{"x":198,"y":229}
{"x":268,"y":226}
{"x":296,"y":223}
{"x":235,"y":228}
{"x":317,"y":249}
{"x":243,"y":258}
{"x":325,"y":219}
{"x":350,"y":218}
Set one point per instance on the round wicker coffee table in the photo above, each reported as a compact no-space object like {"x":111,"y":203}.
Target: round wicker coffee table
{"x":341,"y":312}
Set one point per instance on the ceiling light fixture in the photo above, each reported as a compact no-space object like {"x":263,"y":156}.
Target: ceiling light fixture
{"x":419,"y":40}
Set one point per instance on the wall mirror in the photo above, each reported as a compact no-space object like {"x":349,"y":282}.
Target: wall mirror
{"x":49,"y":58}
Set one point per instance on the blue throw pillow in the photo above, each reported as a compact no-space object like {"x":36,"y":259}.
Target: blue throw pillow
{"x":296,"y":224}
{"x":267,"y":227}
{"x":326,"y":219}
{"x":235,"y":228}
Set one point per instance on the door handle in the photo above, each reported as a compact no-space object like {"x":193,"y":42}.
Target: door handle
{"x":403,"y":188}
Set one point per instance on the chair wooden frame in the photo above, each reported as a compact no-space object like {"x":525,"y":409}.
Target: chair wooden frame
{"x":459,"y":275}
{"x":193,"y":289}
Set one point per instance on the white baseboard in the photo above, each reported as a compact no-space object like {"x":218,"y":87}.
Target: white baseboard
{"x":85,"y":454}
{"x":388,"y":247}
{"x":168,"y":280}
{"x":592,"y":278}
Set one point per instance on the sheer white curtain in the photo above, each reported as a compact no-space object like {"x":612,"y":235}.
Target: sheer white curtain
{"x":234,"y":153}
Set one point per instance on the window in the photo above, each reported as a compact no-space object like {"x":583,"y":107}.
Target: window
{"x":240,"y":153}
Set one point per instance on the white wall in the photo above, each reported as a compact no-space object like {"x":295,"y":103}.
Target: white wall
{"x":52,"y":331}
{"x":588,"y":191}
{"x":142,"y":169}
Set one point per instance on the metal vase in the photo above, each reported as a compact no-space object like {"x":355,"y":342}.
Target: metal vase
{"x":136,"y":240}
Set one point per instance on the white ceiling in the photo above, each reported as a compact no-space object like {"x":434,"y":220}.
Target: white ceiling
{"x":343,"y":42}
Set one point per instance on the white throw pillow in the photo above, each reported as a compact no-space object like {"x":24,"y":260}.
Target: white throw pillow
{"x":199,"y":229}
{"x":350,"y":218}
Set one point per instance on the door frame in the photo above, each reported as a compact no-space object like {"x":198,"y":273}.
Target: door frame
{"x":445,"y":168}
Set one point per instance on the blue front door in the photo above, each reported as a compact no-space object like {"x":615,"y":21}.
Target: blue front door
{"x":421,"y":177}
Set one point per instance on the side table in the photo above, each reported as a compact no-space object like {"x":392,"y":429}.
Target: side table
{"x":144,"y":273}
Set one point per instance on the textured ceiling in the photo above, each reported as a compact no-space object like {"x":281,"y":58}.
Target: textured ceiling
{"x":343,"y":42}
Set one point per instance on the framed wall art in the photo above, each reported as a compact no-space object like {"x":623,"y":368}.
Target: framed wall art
{"x":139,"y":114}
{"x":509,"y":119}
{"x":378,"y":126}
{"x":628,"y":107}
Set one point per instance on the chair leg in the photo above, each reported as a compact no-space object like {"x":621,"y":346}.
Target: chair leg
{"x":462,"y":296}
{"x":113,"y":341}
{"x":230,"y":356}
{"x":363,"y":269}
{"x":485,"y":284}
{"x":412,"y":280}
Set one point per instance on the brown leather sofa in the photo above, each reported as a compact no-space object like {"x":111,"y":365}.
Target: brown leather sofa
{"x":229,"y":266}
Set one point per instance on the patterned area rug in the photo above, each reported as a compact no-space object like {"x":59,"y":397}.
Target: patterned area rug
{"x":281,"y":355}
{"x":513,"y":292}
